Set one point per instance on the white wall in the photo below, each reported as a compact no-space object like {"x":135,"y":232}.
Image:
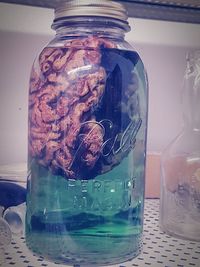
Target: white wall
{"x":25,"y":30}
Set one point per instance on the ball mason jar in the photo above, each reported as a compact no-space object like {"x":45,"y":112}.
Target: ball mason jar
{"x":87,"y":139}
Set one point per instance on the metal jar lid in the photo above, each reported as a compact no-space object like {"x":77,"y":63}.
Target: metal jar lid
{"x":103,"y":8}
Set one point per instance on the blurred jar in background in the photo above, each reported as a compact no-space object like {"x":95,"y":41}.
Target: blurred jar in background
{"x":13,"y":196}
{"x":180,"y":165}
{"x":5,"y":236}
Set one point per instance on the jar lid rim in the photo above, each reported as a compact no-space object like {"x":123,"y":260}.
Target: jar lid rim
{"x":105,"y":8}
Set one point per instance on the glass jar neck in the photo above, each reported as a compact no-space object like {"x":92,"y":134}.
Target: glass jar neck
{"x":191,"y":91}
{"x":83,"y":26}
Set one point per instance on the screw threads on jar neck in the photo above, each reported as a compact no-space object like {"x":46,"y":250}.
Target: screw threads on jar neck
{"x":102,"y":17}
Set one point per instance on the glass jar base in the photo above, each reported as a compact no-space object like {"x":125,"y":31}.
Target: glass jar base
{"x":85,"y":250}
{"x":179,"y":214}
{"x":179,"y":232}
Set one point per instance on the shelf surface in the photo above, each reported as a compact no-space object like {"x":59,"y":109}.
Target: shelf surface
{"x":171,"y":10}
{"x":159,"y":249}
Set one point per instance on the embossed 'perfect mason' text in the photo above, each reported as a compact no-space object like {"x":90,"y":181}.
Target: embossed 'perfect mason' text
{"x":97,"y":195}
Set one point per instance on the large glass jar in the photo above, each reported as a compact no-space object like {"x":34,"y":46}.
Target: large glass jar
{"x":87,"y":139}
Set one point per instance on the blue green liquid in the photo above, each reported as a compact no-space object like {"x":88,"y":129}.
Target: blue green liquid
{"x":90,"y":222}
{"x":96,"y":219}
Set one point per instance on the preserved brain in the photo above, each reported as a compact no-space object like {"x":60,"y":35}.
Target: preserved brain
{"x":68,"y":125}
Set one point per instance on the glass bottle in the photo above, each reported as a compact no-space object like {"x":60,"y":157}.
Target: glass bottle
{"x":180,"y":185}
{"x":87,"y":139}
{"x":5,"y":236}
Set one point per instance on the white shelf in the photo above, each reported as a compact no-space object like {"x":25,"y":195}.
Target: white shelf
{"x":159,"y":250}
{"x":171,"y":10}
